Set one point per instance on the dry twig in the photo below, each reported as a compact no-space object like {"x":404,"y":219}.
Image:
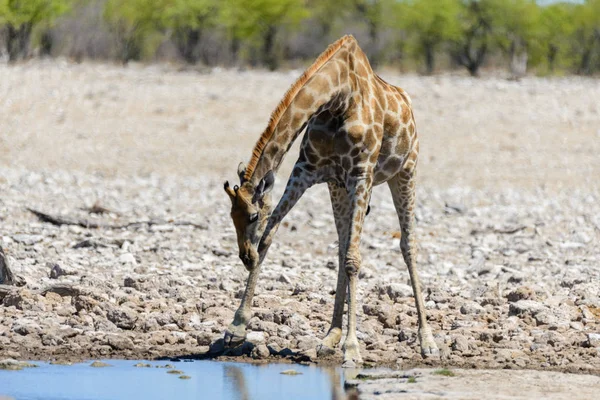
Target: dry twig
{"x":85,"y":223}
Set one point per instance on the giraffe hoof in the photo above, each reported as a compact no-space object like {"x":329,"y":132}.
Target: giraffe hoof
{"x":352,"y":358}
{"x":351,"y":364}
{"x":324,"y":351}
{"x":232,"y":340}
{"x":430,"y":351}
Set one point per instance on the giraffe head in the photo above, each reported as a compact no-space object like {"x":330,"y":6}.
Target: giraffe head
{"x":250,"y":211}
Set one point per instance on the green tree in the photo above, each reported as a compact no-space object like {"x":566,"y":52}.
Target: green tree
{"x":259,"y":21}
{"x":138,"y":25}
{"x":557,"y":27}
{"x":20,"y":17}
{"x":516,"y":31}
{"x":325,"y":13}
{"x":429,"y":24}
{"x":586,"y":38}
{"x":473,"y":43}
{"x":188,"y":21}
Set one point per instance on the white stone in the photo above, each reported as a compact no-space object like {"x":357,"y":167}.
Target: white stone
{"x":127,"y":258}
{"x":255,"y":337}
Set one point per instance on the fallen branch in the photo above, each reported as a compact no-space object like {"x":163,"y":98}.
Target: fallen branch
{"x":510,"y":231}
{"x":62,"y":289}
{"x":505,"y":231}
{"x":59,"y":220}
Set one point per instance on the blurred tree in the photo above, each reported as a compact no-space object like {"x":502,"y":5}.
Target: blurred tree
{"x":20,"y":17}
{"x":429,"y":24}
{"x":137,"y":24}
{"x":586,"y":38}
{"x":188,"y":21}
{"x":473,"y":43}
{"x":516,"y":30}
{"x":371,"y":11}
{"x":259,"y":21}
{"x":557,"y":27}
{"x":326,"y":12}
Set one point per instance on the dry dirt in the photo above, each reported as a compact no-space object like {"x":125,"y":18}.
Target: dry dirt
{"x":508,"y":221}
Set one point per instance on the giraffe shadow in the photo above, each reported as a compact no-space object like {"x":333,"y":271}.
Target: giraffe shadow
{"x":244,"y":350}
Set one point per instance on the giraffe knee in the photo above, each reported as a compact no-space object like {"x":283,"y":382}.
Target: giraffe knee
{"x":352,"y":264}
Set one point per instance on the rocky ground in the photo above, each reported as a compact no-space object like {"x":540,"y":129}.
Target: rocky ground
{"x":508,"y":222}
{"x":462,"y":384}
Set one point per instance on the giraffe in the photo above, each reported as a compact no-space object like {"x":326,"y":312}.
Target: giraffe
{"x":360,"y":132}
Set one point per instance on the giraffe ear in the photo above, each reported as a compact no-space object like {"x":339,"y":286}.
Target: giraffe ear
{"x":241,"y":172}
{"x":229,"y":191}
{"x":264,"y":186}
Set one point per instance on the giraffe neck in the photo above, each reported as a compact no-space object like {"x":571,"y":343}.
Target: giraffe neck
{"x":329,"y":86}
{"x":318,"y":85}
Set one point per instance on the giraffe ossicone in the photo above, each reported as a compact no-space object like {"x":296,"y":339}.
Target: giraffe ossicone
{"x":359,"y":132}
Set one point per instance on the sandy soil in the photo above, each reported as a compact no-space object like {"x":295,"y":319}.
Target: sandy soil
{"x":508,"y":221}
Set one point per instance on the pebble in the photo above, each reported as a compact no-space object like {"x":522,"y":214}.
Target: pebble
{"x":255,"y":337}
{"x":127,"y":258}
{"x":99,"y":364}
{"x":290,"y":372}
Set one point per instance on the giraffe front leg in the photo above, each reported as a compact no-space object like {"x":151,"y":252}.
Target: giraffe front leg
{"x":236,"y":331}
{"x":341,"y":207}
{"x":334,"y":335}
{"x":352,"y":357}
{"x":296,"y":186}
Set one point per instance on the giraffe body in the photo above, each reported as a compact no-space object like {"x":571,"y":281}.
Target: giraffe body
{"x":360,"y":132}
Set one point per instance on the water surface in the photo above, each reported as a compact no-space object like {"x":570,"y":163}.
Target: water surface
{"x":208,"y":380}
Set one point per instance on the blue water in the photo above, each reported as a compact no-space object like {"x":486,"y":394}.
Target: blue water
{"x":209,"y":380}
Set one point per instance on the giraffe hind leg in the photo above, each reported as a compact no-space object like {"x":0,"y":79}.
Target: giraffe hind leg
{"x":360,"y":195}
{"x":402,"y":187}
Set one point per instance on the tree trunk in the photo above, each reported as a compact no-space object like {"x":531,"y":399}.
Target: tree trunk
{"x":234,"y":47}
{"x":591,"y":48}
{"x":518,"y":59}
{"x":270,"y":59}
{"x":46,"y":44}
{"x":187,"y":42}
{"x":17,"y":41}
{"x":552,"y":52}
{"x":373,"y":38}
{"x":325,"y":25}
{"x":370,"y":10}
{"x":470,"y":56}
{"x":429,"y":58}
{"x":585,"y":65}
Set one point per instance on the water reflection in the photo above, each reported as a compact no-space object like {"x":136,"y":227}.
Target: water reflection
{"x":235,"y":375}
{"x":208,"y":380}
{"x":334,"y":381}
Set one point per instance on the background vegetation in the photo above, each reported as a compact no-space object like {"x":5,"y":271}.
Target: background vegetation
{"x":423,"y":35}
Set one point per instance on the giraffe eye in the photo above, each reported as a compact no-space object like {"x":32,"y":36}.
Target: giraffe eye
{"x":253,"y":218}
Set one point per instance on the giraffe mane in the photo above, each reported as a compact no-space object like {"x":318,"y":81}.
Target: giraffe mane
{"x":287,"y":101}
